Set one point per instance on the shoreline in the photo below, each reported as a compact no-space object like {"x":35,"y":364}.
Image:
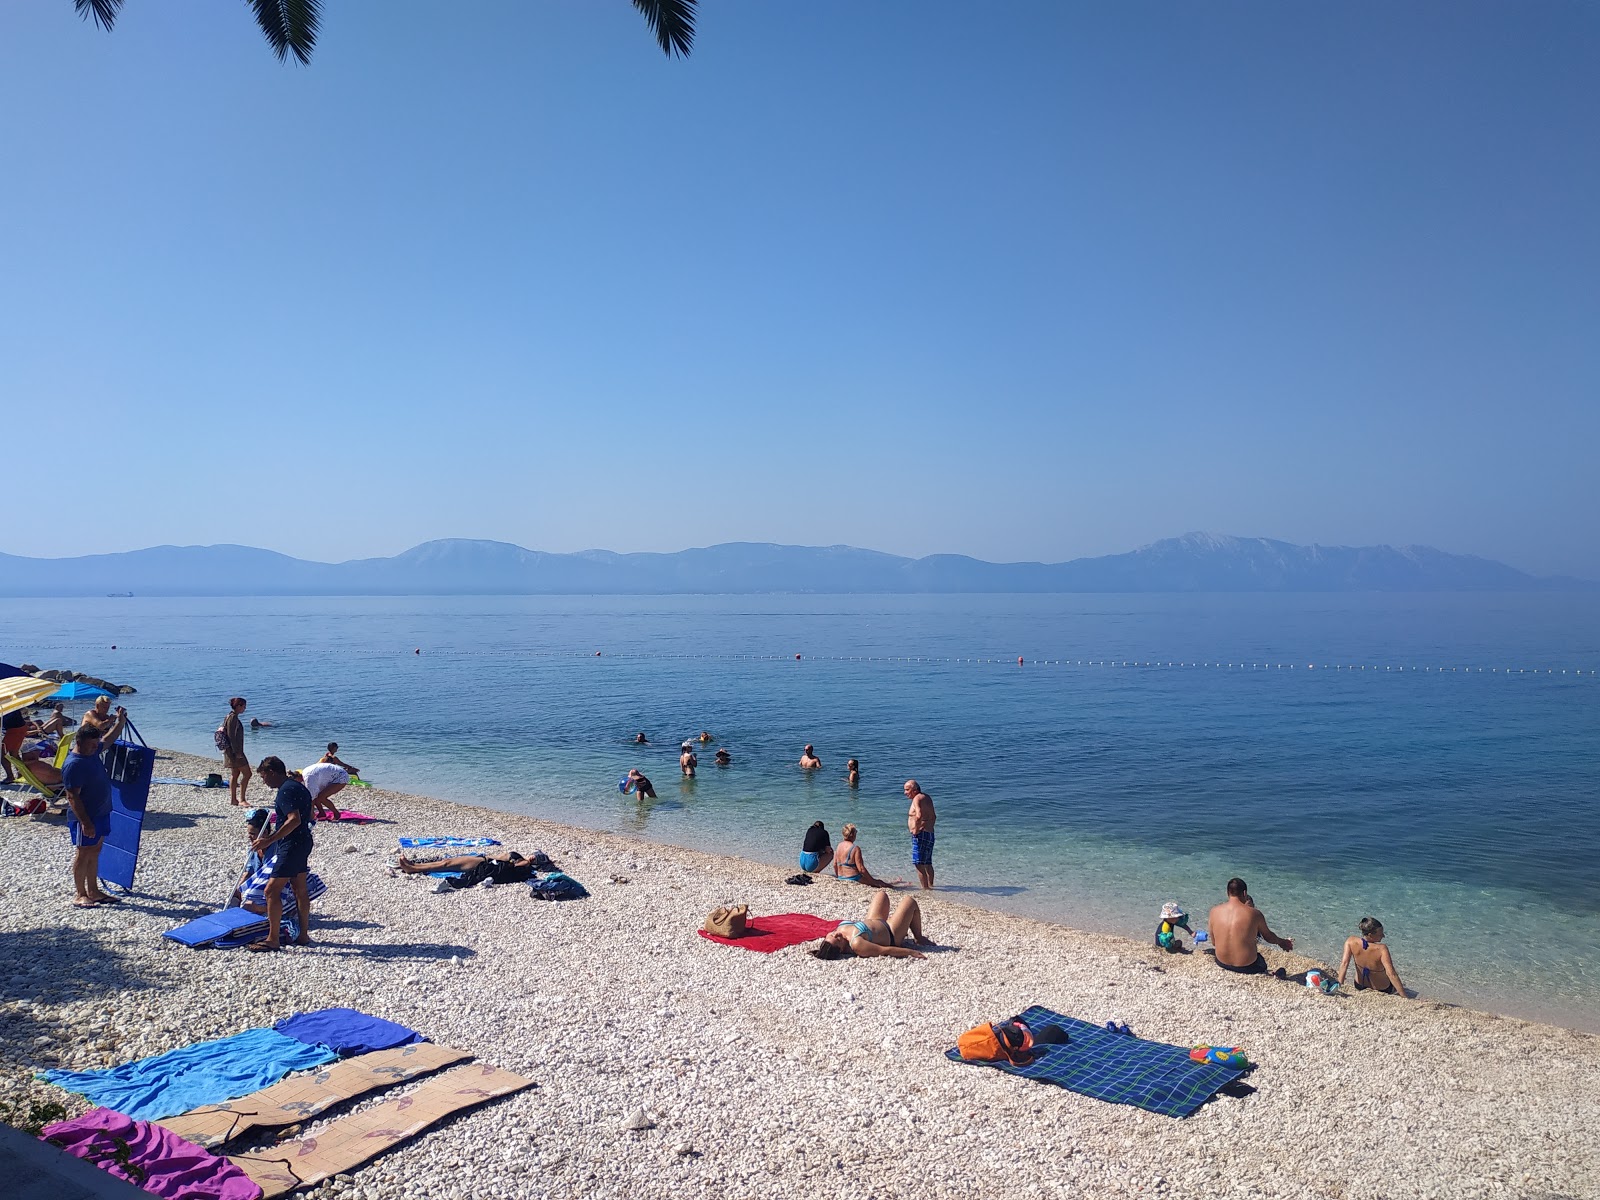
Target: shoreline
{"x":614,"y":1004}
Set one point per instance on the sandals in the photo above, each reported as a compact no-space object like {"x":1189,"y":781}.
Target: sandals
{"x":263,"y":947}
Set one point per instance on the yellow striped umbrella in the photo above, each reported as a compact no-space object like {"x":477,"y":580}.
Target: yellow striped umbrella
{"x":22,"y":690}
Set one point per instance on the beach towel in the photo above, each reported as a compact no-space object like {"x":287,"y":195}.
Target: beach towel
{"x":1117,"y":1068}
{"x":346,"y":1031}
{"x":150,"y":1157}
{"x":350,"y":1141}
{"x":204,"y":1073}
{"x":766,"y":934}
{"x":346,"y":814}
{"x":302,"y":1096}
{"x":173,"y":781}
{"x":213,"y":927}
{"x":445,"y":843}
{"x":254,"y":890}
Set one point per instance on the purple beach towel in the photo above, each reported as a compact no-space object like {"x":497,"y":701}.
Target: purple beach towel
{"x":150,"y":1157}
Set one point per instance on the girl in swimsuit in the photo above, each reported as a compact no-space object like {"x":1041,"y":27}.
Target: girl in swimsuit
{"x":1373,"y":962}
{"x":849,"y":864}
{"x":884,"y":934}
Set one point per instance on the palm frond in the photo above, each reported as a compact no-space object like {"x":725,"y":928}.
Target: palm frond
{"x":290,"y":25}
{"x":672,"y":21}
{"x":103,"y":12}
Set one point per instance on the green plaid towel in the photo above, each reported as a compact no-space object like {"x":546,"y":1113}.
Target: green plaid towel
{"x":1118,"y":1068}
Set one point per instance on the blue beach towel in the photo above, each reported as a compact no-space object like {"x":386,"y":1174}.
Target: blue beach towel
{"x":346,"y":1031}
{"x":1117,"y":1068}
{"x":174,"y":781}
{"x":211,"y":928}
{"x":204,"y":1073}
{"x":450,"y":843}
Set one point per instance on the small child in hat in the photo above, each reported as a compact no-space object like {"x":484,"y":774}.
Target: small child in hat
{"x":1173,"y":918}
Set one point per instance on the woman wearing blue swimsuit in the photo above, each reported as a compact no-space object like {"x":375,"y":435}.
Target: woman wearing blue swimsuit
{"x":1374,"y":965}
{"x":848,"y":863}
{"x":884,"y":934}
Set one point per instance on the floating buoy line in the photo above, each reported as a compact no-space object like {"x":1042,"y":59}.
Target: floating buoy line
{"x":1013,"y":663}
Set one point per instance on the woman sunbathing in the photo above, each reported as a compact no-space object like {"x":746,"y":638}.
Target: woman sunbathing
{"x":1373,"y":962}
{"x":884,"y":934}
{"x":849,"y":864}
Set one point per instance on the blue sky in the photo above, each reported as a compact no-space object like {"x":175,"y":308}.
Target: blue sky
{"x":1023,"y":281}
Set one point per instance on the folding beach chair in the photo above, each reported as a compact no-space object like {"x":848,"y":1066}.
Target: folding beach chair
{"x":26,"y":776}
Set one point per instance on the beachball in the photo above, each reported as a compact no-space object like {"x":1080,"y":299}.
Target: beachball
{"x":625,"y":786}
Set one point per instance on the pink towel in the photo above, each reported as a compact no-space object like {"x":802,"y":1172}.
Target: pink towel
{"x":150,"y":1157}
{"x":766,"y":934}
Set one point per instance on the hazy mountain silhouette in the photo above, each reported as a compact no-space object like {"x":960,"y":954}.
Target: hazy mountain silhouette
{"x":1195,"y":562}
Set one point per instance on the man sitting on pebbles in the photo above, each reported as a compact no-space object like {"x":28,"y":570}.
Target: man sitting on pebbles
{"x":883,"y":934}
{"x":1235,"y":925}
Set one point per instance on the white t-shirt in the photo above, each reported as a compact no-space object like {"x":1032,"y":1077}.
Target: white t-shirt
{"x":322,"y":777}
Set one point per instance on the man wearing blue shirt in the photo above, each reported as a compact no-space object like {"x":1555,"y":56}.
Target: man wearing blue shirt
{"x":293,"y":839}
{"x":88,"y":790}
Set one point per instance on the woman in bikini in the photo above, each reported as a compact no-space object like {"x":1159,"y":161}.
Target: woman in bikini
{"x":1374,"y":965}
{"x":849,"y":864}
{"x":883,"y":934}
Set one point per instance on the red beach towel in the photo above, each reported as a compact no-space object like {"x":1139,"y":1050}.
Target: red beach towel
{"x":766,"y":934}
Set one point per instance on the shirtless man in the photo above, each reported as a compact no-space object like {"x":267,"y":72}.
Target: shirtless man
{"x":1234,"y":927}
{"x":688,"y":760}
{"x":809,"y":760}
{"x":920,"y":821}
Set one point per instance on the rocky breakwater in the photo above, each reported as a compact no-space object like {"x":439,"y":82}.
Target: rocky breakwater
{"x":59,"y":676}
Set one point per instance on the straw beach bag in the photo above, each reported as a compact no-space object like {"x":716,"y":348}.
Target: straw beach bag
{"x":727,"y":922}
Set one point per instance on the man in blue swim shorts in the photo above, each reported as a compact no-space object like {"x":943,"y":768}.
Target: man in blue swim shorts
{"x":920,"y":821}
{"x":89,"y":796}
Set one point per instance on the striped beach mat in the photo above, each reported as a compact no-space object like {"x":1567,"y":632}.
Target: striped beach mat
{"x":1118,"y":1068}
{"x":350,"y":1141}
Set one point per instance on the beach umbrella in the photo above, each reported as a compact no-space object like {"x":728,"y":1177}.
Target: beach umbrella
{"x":78,"y":691}
{"x":22,"y":690}
{"x":7,"y":671}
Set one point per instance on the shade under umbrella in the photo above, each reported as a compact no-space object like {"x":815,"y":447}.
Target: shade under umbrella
{"x":78,"y":691}
{"x":22,"y":690}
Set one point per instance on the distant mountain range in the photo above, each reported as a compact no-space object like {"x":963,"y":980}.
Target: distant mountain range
{"x":1196,"y":562}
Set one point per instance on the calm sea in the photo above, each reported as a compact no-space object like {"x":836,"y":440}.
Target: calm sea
{"x":1429,"y":760}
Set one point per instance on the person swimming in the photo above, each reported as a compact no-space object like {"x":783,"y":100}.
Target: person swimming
{"x":723,"y":758}
{"x":1373,"y":963}
{"x":705,"y":736}
{"x":809,"y":760}
{"x":852,"y":773}
{"x":639,"y":739}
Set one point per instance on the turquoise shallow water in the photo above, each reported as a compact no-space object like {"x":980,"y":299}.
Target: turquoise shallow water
{"x":1348,"y":755}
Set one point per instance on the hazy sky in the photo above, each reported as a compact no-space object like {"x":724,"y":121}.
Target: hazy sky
{"x":1018,"y":280}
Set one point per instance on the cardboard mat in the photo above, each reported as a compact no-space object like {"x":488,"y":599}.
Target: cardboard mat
{"x":302,"y":1096}
{"x":352,"y":1140}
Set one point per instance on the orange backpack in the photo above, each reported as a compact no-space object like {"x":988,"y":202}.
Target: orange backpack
{"x":1010,"y":1041}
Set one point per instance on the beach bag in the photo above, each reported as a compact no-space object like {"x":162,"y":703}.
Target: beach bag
{"x":557,"y":886}
{"x":728,"y":922}
{"x":220,"y":739}
{"x":1010,"y":1041}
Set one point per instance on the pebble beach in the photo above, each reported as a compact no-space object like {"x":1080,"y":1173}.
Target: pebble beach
{"x":668,"y":1065}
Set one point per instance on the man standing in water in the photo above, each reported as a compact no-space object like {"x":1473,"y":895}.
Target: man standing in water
{"x":1234,"y":926}
{"x":293,"y":806}
{"x":920,"y":821}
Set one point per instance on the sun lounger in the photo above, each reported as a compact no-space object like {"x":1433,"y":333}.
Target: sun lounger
{"x":1117,"y":1067}
{"x":213,"y":927}
{"x":350,"y":1141}
{"x":24,"y":775}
